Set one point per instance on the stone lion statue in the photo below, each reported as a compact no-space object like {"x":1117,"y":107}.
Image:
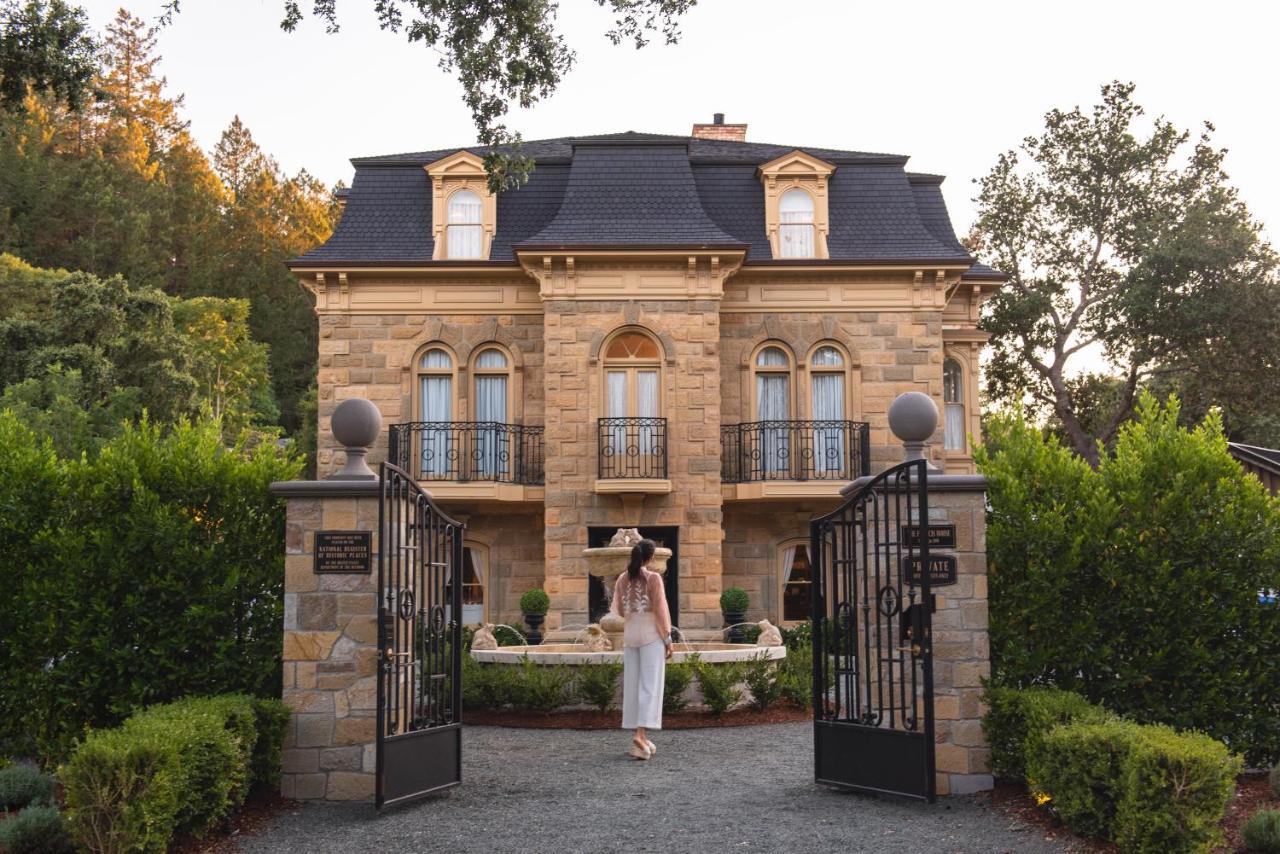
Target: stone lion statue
{"x":625,"y":537}
{"x":484,"y":638}
{"x":596,"y":640}
{"x":769,"y":634}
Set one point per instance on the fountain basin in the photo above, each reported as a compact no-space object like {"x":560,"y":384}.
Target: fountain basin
{"x":571,"y":653}
{"x":609,"y":562}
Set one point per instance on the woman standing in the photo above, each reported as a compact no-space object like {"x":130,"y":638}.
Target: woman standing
{"x":640,"y":599}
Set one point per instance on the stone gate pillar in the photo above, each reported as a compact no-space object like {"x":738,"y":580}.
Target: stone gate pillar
{"x":330,"y":623}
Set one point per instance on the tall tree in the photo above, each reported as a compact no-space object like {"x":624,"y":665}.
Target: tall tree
{"x":1124,"y":240}
{"x":46,"y":47}
{"x":504,"y":52}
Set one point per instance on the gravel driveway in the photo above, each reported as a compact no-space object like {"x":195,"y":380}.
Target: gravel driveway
{"x":729,"y":789}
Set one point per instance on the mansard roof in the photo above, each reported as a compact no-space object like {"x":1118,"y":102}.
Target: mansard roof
{"x":646,"y":190}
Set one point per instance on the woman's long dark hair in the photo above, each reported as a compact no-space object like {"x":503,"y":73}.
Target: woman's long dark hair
{"x":640,"y":554}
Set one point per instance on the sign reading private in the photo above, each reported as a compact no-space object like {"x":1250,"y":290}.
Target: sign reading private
{"x":941,"y":536}
{"x":942,"y":569}
{"x":348,"y":552}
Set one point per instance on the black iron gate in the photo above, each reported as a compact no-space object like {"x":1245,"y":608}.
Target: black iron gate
{"x":872,"y":639}
{"x":419,"y":748}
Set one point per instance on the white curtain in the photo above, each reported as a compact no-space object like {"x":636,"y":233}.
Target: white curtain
{"x":788,"y":558}
{"x":437,"y":406}
{"x":773,"y":403}
{"x":491,"y":434}
{"x":829,"y":440}
{"x":954,"y":431}
{"x":617,"y":391}
{"x":796,"y":230}
{"x":647,"y":407}
{"x":465,"y":225}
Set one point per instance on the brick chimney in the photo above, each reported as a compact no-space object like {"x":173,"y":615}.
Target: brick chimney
{"x":719,"y":130}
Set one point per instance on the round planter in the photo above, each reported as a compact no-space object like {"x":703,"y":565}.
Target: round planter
{"x":534,"y":622}
{"x":732,"y":618}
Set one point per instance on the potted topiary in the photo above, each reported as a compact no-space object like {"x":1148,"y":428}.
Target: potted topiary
{"x":533,"y":605}
{"x":733,"y":604}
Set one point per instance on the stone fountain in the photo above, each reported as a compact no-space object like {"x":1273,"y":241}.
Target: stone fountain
{"x":608,"y":562}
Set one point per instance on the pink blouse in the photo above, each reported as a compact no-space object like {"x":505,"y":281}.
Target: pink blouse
{"x":643,"y":604}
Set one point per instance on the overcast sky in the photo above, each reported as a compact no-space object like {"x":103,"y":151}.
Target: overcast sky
{"x":950,"y":84}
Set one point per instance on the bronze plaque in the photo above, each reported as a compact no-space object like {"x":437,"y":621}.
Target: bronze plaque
{"x":942,"y":570}
{"x":348,"y":552}
{"x":942,"y":536}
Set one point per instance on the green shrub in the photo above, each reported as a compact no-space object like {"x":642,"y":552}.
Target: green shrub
{"x":795,"y":675}
{"x":1262,"y":832}
{"x":479,"y":683}
{"x":734,"y":600}
{"x":180,"y":767}
{"x":535,"y":601}
{"x":538,"y":688}
{"x":763,"y":685}
{"x":675,"y":687}
{"x":1081,"y":767}
{"x":36,"y":830}
{"x":1176,"y":790}
{"x":598,"y":684}
{"x":719,"y":685}
{"x":22,"y":785}
{"x":160,"y":554}
{"x":1160,"y":553}
{"x":801,"y":635}
{"x":508,"y":636}
{"x":1018,"y":719}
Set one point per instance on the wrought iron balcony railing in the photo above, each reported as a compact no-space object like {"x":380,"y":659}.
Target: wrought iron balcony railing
{"x":633,"y":448}
{"x":794,"y":450}
{"x":468,"y":451}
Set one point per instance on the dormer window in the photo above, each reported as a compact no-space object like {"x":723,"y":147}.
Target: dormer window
{"x":796,"y":225}
{"x":465,"y":232}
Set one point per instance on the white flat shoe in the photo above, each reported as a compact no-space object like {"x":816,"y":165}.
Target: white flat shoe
{"x":638,"y":752}
{"x":653,"y":748}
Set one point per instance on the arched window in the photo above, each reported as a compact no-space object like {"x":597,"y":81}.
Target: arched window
{"x":772,"y":439}
{"x":796,"y":229}
{"x":953,"y":433}
{"x":831,"y":434}
{"x":795,"y":580}
{"x":475,"y":565}
{"x":435,"y":405}
{"x":465,"y":231}
{"x":633,"y":393}
{"x":493,"y":450}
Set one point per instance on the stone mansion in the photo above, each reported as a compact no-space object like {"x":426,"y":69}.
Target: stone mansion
{"x":697,"y":336}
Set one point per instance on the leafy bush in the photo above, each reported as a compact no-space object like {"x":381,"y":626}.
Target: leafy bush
{"x":508,"y":636}
{"x":161,"y":557}
{"x":719,"y":685}
{"x":482,"y":686}
{"x":22,"y":785}
{"x":181,"y":767}
{"x":1018,"y":719}
{"x":1262,"y":832}
{"x":1176,"y":790}
{"x":1161,"y":552}
{"x":1081,"y":766}
{"x":795,"y":675}
{"x":36,"y":830}
{"x":535,"y":601}
{"x":538,"y":688}
{"x":676,"y":683}
{"x":734,"y":600}
{"x":598,"y":684}
{"x":761,"y":676}
{"x":797,"y":637}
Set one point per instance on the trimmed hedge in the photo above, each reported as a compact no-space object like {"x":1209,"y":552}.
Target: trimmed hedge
{"x":177,"y":768}
{"x":1018,"y":719}
{"x":1146,"y":787}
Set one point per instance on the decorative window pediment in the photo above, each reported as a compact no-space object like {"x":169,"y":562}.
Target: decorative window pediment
{"x":461,"y":232}
{"x":795,"y":229}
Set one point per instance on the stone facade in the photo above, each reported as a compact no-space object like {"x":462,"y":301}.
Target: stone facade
{"x":330,"y":655}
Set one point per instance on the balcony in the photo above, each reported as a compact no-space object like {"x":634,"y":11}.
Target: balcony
{"x":632,"y":456}
{"x":475,"y":460}
{"x":792,"y":459}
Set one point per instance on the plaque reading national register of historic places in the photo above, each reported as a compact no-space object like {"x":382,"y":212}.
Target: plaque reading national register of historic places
{"x":344,"y":552}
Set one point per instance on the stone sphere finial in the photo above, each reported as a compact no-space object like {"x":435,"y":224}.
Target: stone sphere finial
{"x":356,"y":424}
{"x":913,"y":417}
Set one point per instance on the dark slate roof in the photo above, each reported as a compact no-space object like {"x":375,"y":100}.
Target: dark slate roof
{"x":636,"y":195}
{"x":1264,"y":458}
{"x":633,"y":189}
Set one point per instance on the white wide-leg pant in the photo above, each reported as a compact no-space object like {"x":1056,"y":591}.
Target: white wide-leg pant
{"x":644,"y":671}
